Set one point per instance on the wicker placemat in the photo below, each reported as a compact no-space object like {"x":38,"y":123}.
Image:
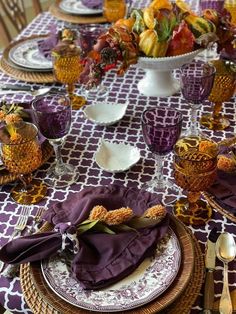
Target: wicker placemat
{"x":17,"y":73}
{"x":184,"y":291}
{"x":6,"y":177}
{"x":212,"y":201}
{"x":76,"y":19}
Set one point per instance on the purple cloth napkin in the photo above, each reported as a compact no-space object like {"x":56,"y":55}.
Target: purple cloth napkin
{"x":92,"y":4}
{"x":46,"y":45}
{"x":102,"y":259}
{"x":224,"y":190}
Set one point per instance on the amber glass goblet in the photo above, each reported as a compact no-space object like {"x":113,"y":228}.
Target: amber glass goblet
{"x":21,"y":154}
{"x":222,"y":90}
{"x":195,"y":168}
{"x":67,"y":70}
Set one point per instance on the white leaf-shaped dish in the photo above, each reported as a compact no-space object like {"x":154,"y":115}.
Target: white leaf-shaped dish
{"x":103,"y":113}
{"x":116,"y":157}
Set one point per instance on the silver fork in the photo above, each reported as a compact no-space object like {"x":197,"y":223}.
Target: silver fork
{"x":37,"y":219}
{"x":19,"y":227}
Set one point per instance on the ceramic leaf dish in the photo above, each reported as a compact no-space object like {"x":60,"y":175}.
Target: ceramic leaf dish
{"x":116,"y":157}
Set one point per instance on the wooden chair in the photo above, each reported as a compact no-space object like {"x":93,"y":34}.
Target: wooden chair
{"x":15,"y":11}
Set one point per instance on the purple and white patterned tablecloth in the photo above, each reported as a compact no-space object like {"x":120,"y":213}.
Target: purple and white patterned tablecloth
{"x":79,"y":149}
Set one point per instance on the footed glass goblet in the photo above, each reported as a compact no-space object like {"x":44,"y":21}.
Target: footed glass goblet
{"x":196,"y":80}
{"x":53,"y":116}
{"x":195,"y":170}
{"x":88,"y":35}
{"x":161,"y":129}
{"x":223,"y":89}
{"x":21,"y":154}
{"x":67,"y":70}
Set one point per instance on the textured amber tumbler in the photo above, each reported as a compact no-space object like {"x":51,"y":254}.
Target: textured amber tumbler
{"x":223,"y":89}
{"x":195,"y":170}
{"x":67,"y":70}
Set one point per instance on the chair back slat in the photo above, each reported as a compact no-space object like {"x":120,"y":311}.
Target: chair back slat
{"x":15,"y":11}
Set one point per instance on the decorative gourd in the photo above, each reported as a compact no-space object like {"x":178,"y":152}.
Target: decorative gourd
{"x":161,"y":4}
{"x":149,"y":19}
{"x":129,"y":23}
{"x":211,"y":15}
{"x":150,"y":45}
{"x":139,"y":25}
{"x":199,"y":25}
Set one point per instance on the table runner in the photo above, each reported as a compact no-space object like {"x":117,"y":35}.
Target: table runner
{"x":79,"y":149}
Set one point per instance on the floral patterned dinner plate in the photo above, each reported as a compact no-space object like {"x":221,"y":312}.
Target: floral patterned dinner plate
{"x":27,"y":55}
{"x":77,"y":7}
{"x":146,"y":283}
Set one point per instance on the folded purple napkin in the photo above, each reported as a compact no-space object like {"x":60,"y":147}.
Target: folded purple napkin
{"x":224,"y":190}
{"x":46,"y":45}
{"x":100,"y":259}
{"x":92,"y":4}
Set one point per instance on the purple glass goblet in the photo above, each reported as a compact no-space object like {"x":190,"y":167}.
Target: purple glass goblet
{"x":53,"y":117}
{"x":196,"y":81}
{"x":161,"y":128}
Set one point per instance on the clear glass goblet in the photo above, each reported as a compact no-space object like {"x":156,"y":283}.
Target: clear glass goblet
{"x":87,"y":38}
{"x":195,"y":170}
{"x":161,"y":128}
{"x":21,"y":154}
{"x":196,"y":81}
{"x":223,"y":89}
{"x":53,"y":116}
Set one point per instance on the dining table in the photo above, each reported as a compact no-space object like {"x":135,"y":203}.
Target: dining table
{"x":81,"y":144}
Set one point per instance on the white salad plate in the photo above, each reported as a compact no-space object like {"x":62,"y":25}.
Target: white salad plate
{"x":27,"y":55}
{"x":116,"y":157}
{"x":151,"y":279}
{"x":104,"y":113}
{"x":76,"y":7}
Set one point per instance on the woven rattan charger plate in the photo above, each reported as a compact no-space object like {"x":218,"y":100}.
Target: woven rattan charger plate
{"x":179,"y":297}
{"x":76,"y":19}
{"x":17,"y":73}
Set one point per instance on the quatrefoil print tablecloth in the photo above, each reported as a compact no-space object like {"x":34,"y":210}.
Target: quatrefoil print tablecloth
{"x":81,"y":144}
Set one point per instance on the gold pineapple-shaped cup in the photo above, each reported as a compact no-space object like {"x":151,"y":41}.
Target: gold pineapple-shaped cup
{"x":21,"y":154}
{"x":223,"y":89}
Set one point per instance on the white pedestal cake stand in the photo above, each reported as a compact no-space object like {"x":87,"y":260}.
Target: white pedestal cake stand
{"x":158,"y":80}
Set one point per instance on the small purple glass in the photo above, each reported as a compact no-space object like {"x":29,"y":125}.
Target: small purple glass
{"x":161,"y":128}
{"x":196,"y":81}
{"x":53,"y":117}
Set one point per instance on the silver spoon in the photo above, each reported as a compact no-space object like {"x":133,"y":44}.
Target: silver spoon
{"x":226,"y":252}
{"x":34,"y":92}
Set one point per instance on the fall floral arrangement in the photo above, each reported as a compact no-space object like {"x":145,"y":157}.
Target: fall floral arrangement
{"x":121,"y":219}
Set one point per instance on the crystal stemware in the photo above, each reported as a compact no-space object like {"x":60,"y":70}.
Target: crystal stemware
{"x":21,"y":154}
{"x":53,"y":116}
{"x":196,"y":80}
{"x":87,"y":38}
{"x":223,"y":89}
{"x":67,"y":70}
{"x":161,"y":129}
{"x":195,"y":170}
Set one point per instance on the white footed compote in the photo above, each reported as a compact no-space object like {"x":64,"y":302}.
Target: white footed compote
{"x":159,"y":80}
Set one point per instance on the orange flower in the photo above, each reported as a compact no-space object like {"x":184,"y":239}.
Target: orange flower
{"x":155,"y":212}
{"x":118,"y":216}
{"x":226,"y":163}
{"x":208,"y":147}
{"x":98,"y":213}
{"x":12,"y":118}
{"x":2,"y":115}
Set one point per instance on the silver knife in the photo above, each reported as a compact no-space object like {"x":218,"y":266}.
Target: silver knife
{"x":210,"y":258}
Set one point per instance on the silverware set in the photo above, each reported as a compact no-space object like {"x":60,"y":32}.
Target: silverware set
{"x":223,"y":247}
{"x":22,"y":223}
